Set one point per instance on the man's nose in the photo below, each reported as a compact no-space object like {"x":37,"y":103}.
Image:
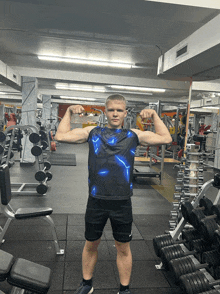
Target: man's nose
{"x":115,"y":113}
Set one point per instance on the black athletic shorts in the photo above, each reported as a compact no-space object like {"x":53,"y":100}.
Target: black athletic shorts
{"x":118,"y":211}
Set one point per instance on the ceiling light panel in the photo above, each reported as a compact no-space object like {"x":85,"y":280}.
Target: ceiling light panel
{"x":79,"y":87}
{"x":85,"y":61}
{"x":137,"y":89}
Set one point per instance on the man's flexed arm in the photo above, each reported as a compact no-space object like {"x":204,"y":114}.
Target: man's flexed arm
{"x":161,"y":135}
{"x":64,"y":132}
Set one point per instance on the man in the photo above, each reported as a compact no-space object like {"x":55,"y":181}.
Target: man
{"x":111,"y":159}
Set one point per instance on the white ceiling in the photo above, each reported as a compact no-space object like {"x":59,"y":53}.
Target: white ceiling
{"x":132,"y":31}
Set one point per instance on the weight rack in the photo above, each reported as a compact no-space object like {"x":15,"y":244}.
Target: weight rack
{"x":176,"y":233}
{"x":27,"y":129}
{"x":190,"y":180}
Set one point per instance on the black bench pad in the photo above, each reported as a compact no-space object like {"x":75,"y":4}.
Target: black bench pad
{"x":6,"y":262}
{"x":22,"y":213}
{"x":30,"y":276}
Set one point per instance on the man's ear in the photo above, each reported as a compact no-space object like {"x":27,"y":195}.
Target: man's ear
{"x":126,"y":113}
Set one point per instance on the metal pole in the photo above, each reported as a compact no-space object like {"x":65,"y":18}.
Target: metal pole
{"x":188,"y":114}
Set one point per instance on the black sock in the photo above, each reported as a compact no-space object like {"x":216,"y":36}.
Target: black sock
{"x":123,"y":288}
{"x":87,"y":282}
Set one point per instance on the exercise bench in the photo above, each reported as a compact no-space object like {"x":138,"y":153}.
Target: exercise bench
{"x":24,"y":275}
{"x":22,"y":213}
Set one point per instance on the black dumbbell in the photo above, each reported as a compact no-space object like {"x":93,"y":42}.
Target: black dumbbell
{"x":196,"y":282}
{"x":41,"y":174}
{"x":204,"y":204}
{"x":208,"y":228}
{"x":186,"y":264}
{"x":176,"y":251}
{"x":43,"y":187}
{"x":35,"y":138}
{"x":2,"y":136}
{"x":166,"y":240}
{"x":37,"y":150}
{"x":216,"y":182}
{"x":196,"y":216}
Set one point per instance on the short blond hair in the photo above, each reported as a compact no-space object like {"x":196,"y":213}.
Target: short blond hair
{"x":116,"y":97}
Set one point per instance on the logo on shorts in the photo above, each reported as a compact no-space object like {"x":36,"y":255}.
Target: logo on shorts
{"x":130,"y":234}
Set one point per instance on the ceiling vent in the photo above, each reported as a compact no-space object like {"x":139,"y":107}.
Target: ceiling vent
{"x":196,"y":57}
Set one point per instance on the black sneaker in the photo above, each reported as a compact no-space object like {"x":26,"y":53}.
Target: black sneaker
{"x":84,"y":289}
{"x":127,"y":291}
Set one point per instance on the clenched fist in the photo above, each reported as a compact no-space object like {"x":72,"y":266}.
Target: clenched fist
{"x":147,"y":113}
{"x":76,"y":109}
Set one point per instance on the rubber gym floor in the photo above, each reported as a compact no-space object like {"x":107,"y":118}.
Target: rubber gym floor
{"x":67,"y":195}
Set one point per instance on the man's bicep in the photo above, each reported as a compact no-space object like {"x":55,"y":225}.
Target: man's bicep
{"x":80,"y":135}
{"x":83,"y":134}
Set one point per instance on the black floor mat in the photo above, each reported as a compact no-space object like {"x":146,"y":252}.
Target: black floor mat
{"x":62,"y":159}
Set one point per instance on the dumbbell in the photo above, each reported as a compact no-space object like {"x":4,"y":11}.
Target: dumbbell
{"x":196,"y":282}
{"x":186,"y":264}
{"x":208,"y":228}
{"x":204,"y":204}
{"x":196,"y":216}
{"x":37,"y":150}
{"x":35,"y":138}
{"x":43,"y":187}
{"x":216,"y":182}
{"x":2,"y":136}
{"x":42,"y":174}
{"x":176,"y":251}
{"x":166,"y":240}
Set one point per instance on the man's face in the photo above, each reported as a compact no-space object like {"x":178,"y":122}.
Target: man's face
{"x":115,"y":113}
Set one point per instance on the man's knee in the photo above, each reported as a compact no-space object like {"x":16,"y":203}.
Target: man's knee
{"x":123,"y":248}
{"x":92,"y":245}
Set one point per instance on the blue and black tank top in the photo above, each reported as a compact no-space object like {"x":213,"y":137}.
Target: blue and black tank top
{"x":110,"y":163}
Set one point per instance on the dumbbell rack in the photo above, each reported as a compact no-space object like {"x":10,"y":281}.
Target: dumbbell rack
{"x":189,"y":179}
{"x":20,"y":188}
{"x":176,"y":233}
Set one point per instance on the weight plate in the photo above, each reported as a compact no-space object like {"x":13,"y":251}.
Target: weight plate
{"x":43,"y":135}
{"x":160,"y":242}
{"x":186,"y":209}
{"x":47,"y":165}
{"x":34,"y":138}
{"x":40,"y":176}
{"x":208,"y":227}
{"x":195,"y":218}
{"x":216,"y":210}
{"x":49,"y":176}
{"x":207,"y":204}
{"x":185,"y":284}
{"x":2,"y":137}
{"x":44,"y":144}
{"x":42,"y":189}
{"x":36,"y":150}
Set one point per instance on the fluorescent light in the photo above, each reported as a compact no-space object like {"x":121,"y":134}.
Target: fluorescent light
{"x":140,"y":89}
{"x":85,"y":61}
{"x":78,"y":98}
{"x":211,"y":107}
{"x":3,"y":93}
{"x":78,"y":87}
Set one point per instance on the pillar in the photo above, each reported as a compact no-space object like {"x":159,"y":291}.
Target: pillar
{"x":217,"y":144}
{"x":46,"y":111}
{"x":54,"y":116}
{"x":28,"y":115}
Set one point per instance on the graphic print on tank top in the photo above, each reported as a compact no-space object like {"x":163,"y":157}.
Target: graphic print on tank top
{"x":111,"y":160}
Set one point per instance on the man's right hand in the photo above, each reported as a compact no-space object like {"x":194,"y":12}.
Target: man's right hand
{"x":76,"y":109}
